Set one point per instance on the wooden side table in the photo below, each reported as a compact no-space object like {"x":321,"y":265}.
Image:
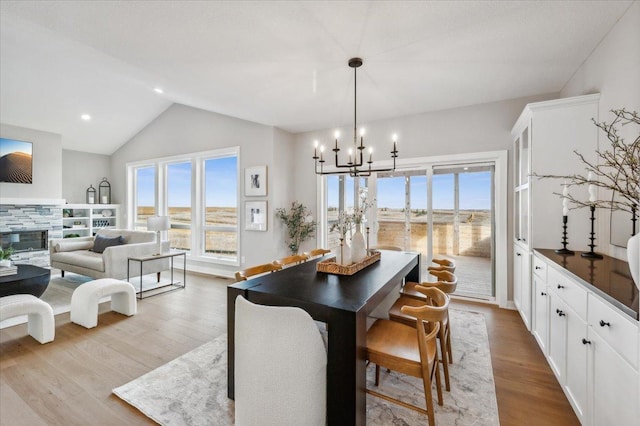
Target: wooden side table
{"x":173,"y":285}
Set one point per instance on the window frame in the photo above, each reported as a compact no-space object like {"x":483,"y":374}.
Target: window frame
{"x":198,"y":201}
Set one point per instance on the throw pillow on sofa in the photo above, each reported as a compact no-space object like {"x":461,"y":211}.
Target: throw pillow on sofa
{"x":73,"y":245}
{"x":101,"y":243}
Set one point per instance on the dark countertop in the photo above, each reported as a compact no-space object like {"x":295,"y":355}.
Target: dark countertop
{"x":609,"y":278}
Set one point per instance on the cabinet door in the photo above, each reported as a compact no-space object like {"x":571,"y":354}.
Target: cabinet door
{"x":541,"y":313}
{"x":557,"y":336}
{"x":614,"y":386}
{"x":576,"y":366}
{"x":517,"y":276}
{"x":525,"y":290}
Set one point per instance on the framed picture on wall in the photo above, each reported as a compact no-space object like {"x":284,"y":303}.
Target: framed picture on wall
{"x":16,"y":161}
{"x":255,"y":215}
{"x":255,"y":181}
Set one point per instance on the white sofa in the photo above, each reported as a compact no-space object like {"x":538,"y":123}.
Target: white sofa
{"x":75,"y":255}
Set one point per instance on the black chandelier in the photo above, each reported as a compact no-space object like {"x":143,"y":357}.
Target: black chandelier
{"x":355,"y":166}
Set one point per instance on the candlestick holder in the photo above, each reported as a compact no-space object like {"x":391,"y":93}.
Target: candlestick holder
{"x":591,"y":254}
{"x":634,"y":219}
{"x":341,"y":253}
{"x":564,"y":249}
{"x":367,"y":239}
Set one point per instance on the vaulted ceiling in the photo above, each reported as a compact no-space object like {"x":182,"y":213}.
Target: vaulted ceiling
{"x":279,"y":63}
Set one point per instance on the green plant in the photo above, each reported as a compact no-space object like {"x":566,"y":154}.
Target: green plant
{"x":5,"y":254}
{"x":299,"y":222}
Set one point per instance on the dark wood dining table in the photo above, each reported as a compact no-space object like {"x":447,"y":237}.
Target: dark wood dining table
{"x":343,"y":302}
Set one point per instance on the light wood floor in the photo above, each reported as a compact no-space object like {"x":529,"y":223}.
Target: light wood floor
{"x":69,"y":381}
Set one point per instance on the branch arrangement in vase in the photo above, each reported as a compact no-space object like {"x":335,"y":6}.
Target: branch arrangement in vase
{"x":616,"y":169}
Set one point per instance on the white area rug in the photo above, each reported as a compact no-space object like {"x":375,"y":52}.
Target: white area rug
{"x":192,"y":389}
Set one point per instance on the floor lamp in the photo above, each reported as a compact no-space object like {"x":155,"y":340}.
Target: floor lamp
{"x":158,"y":224}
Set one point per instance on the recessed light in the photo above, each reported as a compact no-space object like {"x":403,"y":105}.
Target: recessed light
{"x":85,"y":117}
{"x":158,"y":90}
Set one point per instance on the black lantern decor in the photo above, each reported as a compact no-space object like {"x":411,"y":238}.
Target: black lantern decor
{"x":91,"y":195}
{"x":104,"y":190}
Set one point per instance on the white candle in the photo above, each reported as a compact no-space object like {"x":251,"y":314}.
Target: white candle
{"x":565,"y":201}
{"x":592,"y":189}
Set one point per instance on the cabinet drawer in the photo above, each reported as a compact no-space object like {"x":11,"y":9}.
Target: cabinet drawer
{"x":619,"y":332}
{"x":568,"y":290}
{"x":540,"y":268}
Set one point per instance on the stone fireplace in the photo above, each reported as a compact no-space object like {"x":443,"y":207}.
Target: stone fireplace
{"x":28,"y":228}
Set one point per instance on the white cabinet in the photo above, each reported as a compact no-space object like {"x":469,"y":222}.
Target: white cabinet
{"x":522,"y":283}
{"x":540,"y":304}
{"x":614,"y":385}
{"x":576,"y":372}
{"x":591,"y":346}
{"x":545,"y":137}
{"x":84,"y":220}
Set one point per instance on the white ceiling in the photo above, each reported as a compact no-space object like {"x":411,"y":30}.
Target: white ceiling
{"x":279,"y":63}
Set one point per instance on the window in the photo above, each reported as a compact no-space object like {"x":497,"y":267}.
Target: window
{"x":145,"y":187}
{"x":221,"y":213}
{"x":199,"y":193}
{"x":179,"y":204}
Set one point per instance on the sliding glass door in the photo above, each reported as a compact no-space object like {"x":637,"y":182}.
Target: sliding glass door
{"x":463,"y":218}
{"x":439,"y":211}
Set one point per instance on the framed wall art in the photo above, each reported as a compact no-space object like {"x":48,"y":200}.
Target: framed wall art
{"x":255,"y":181}
{"x":16,"y":161}
{"x":255,"y":215}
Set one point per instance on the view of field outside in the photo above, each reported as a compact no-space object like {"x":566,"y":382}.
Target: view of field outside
{"x":470,"y":245}
{"x":221,"y":216}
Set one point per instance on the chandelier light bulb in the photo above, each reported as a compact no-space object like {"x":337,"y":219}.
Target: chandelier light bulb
{"x":394,"y":137}
{"x":362,"y":131}
{"x":315,"y":144}
{"x":337,"y":134}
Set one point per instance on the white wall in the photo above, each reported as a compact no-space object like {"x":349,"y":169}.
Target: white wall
{"x":182,"y":129}
{"x":47,"y":164}
{"x":81,"y":169}
{"x":613,"y":70}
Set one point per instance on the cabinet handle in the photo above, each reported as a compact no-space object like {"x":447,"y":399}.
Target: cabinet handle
{"x":542,"y":293}
{"x":560,"y":313}
{"x":560,"y":286}
{"x":537,"y":267}
{"x":586,"y":342}
{"x":602,"y":324}
{"x":519,"y":239}
{"x":524,"y":239}
{"x":518,"y":254}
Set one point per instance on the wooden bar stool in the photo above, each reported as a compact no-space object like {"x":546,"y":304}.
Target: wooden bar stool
{"x":256,"y":270}
{"x":316,"y":252}
{"x":447,"y":282}
{"x":437,"y":298}
{"x":410,"y":351}
{"x":291,"y":260}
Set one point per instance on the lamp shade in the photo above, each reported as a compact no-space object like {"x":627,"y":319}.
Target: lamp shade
{"x":158,"y":223}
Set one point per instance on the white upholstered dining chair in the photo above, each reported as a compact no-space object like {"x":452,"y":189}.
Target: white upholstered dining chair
{"x":280,"y":367}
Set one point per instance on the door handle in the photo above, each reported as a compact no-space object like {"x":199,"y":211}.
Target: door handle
{"x":560,"y":286}
{"x":537,"y":267}
{"x":560,"y":313}
{"x":602,"y":324}
{"x":542,"y":293}
{"x":586,"y":342}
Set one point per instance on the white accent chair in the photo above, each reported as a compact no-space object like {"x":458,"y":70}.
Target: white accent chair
{"x":42,"y":325}
{"x":85,"y":299}
{"x":280,"y":367}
